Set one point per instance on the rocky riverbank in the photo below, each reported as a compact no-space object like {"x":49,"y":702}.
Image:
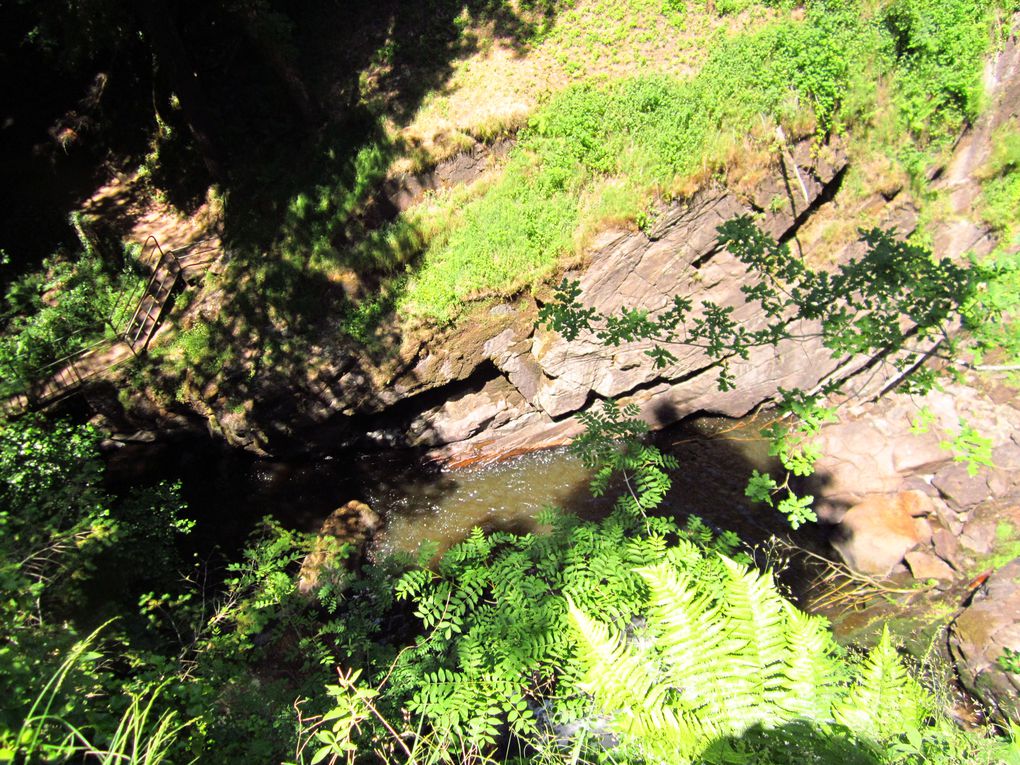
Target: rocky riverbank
{"x":937,"y":531}
{"x":494,"y":386}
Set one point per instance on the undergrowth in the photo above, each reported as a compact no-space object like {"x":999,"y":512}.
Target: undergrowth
{"x":598,"y":154}
{"x":71,"y":302}
{"x":1000,"y":207}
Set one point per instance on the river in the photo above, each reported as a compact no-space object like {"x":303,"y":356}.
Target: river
{"x":228,"y":491}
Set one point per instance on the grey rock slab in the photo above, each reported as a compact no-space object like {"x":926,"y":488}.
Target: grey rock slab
{"x":961,"y":489}
{"x":924,"y":566}
{"x":946,"y":546}
{"x":978,"y":535}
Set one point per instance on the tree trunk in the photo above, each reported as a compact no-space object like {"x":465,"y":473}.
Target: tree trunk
{"x":175,"y":67}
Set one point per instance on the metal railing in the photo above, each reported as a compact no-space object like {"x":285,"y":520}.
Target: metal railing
{"x":146,"y":319}
{"x":61,"y":377}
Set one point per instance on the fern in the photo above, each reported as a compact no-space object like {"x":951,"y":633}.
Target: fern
{"x":812,"y":673}
{"x":692,"y":641}
{"x":722,"y":664}
{"x":496,"y":619}
{"x":757,"y":617}
{"x":885,"y":701}
{"x":629,"y":688}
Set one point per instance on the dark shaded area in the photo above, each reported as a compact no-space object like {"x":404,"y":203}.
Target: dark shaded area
{"x":265,"y":97}
{"x":65,"y":123}
{"x":303,"y":154}
{"x":795,"y":742}
{"x":229,"y":490}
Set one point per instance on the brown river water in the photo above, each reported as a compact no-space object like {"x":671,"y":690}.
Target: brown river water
{"x":228,"y":491}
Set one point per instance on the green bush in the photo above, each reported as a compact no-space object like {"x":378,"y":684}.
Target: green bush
{"x":60,"y":530}
{"x":994,"y":314}
{"x":937,"y":51}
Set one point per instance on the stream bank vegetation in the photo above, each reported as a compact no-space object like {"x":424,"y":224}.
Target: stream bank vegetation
{"x":637,"y":638}
{"x":311,"y":238}
{"x":632,"y":639}
{"x":902,"y":79}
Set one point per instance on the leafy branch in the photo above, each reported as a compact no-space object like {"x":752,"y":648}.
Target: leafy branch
{"x":611,"y":444}
{"x":895,"y":294}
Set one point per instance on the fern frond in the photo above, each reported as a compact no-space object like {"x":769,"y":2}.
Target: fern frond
{"x":758,"y":615}
{"x":885,"y":701}
{"x":625,"y":683}
{"x":810,"y":672}
{"x":692,"y":635}
{"x":616,"y":677}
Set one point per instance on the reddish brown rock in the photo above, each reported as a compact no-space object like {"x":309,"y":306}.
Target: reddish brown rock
{"x":875,"y":534}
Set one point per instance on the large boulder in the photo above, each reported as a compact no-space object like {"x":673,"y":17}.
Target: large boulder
{"x":876,"y":534}
{"x":347,"y":527}
{"x":980,"y":636}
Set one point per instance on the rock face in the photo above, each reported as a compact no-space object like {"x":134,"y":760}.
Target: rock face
{"x":876,"y":451}
{"x":981,"y":633}
{"x":972,"y":519}
{"x":351,"y":525}
{"x":554,"y":379}
{"x":882,"y":449}
{"x":876,"y":534}
{"x":924,"y":566}
{"x":405,"y":190}
{"x":494,"y":386}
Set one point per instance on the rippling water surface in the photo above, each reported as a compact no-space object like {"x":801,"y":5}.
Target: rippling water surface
{"x":229,"y":491}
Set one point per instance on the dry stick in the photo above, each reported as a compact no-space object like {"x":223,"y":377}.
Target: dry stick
{"x":856,"y":586}
{"x":993,"y":367}
{"x":789,"y":158}
{"x":396,"y":736}
{"x":721,"y":432}
{"x":925,"y":355}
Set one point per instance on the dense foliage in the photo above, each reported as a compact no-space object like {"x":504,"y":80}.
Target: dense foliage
{"x":635,"y":638}
{"x":721,"y":654}
{"x":599,"y":153}
{"x":72,"y":302}
{"x":499,"y":652}
{"x":62,"y":535}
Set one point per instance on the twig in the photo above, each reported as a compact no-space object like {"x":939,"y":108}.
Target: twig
{"x":846,"y":587}
{"x":789,"y":158}
{"x":991,"y":367}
